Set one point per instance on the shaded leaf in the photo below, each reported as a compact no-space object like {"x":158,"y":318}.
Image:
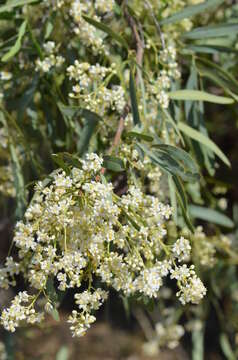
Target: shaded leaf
{"x":190,"y":168}
{"x":138,"y":135}
{"x":52,"y":294}
{"x":182,"y":200}
{"x":113,"y":163}
{"x":211,"y":49}
{"x":226,"y":29}
{"x":210,"y":215}
{"x":134,"y":104}
{"x":91,"y":121}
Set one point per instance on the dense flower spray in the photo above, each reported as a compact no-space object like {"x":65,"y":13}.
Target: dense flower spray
{"x":77,"y":229}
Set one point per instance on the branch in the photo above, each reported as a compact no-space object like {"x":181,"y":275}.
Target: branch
{"x":139,"y":44}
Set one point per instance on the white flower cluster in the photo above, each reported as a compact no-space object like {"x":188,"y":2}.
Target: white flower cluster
{"x":87,"y":33}
{"x":77,"y":229}
{"x":191,"y":287}
{"x":182,"y":249}
{"x":91,"y":87}
{"x":51,"y":59}
{"x":170,"y":72}
{"x":20,"y":310}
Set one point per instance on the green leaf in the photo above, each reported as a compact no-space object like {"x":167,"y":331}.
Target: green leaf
{"x":50,"y":289}
{"x":140,"y":136}
{"x":191,"y":11}
{"x":55,"y":314}
{"x":107,"y":30}
{"x":16,"y":47}
{"x":19,"y":182}
{"x":92,"y":120}
{"x":219,"y":80}
{"x":171,"y":121}
{"x":51,"y":292}
{"x":132,"y":221}
{"x":49,"y":29}
{"x":64,"y":160}
{"x":170,"y":164}
{"x":134,"y":104}
{"x":182,"y":200}
{"x":68,"y":111}
{"x":198,"y":136}
{"x":211,"y":49}
{"x":210,"y":215}
{"x":190,"y":168}
{"x":113,"y":163}
{"x":198,"y":345}
{"x":63,"y":353}
{"x":14,"y":3}
{"x":226,"y":29}
{"x":197,"y":95}
{"x":226,"y":347}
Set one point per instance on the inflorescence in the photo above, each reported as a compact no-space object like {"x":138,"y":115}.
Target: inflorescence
{"x":77,"y":233}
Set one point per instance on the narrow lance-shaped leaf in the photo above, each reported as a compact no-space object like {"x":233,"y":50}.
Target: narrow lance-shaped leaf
{"x":226,"y":347}
{"x":107,"y":30}
{"x":205,"y":32}
{"x":171,"y":121}
{"x":138,"y":135}
{"x":52,"y":294}
{"x":198,"y":136}
{"x":168,"y":163}
{"x":182,"y":200}
{"x":197,"y":95}
{"x":211,"y":49}
{"x":210,"y":215}
{"x":191,"y":11}
{"x":134,"y":104}
{"x":88,"y":130}
{"x":113,"y":163}
{"x":63,"y":353}
{"x":15,"y":3}
{"x":183,"y":157}
{"x":16,"y":47}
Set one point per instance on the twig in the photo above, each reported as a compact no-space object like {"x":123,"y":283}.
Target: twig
{"x":139,"y":43}
{"x":156,"y":23}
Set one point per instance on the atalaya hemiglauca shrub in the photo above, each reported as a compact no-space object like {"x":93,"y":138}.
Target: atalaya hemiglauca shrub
{"x":104,"y":149}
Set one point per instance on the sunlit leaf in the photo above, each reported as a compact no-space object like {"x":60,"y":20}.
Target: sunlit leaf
{"x":198,"y":136}
{"x":17,"y":46}
{"x":192,"y":10}
{"x":15,"y":3}
{"x":197,"y":95}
